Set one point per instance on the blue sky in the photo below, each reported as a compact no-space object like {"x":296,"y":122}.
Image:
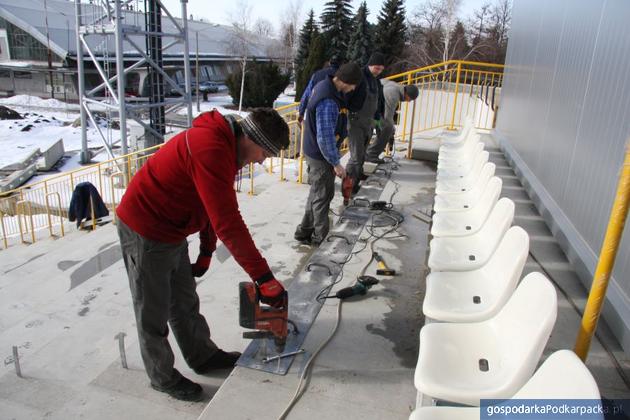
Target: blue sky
{"x":218,"y":11}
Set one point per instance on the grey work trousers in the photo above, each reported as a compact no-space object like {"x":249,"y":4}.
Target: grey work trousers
{"x":163,"y":291}
{"x":321,"y":176}
{"x":359,"y":135}
{"x":378,"y":146}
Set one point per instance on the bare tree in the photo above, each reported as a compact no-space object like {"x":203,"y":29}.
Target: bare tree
{"x":263,"y":28}
{"x":289,"y":33}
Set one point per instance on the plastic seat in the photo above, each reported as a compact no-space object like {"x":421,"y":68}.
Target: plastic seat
{"x":477,"y":295}
{"x":469,"y":199}
{"x":468,"y":146}
{"x":465,"y":222}
{"x":491,"y":359}
{"x":562,"y":376}
{"x":460,"y":171}
{"x":461,"y":155}
{"x":463,"y":184}
{"x":467,"y":128}
{"x":471,"y":252}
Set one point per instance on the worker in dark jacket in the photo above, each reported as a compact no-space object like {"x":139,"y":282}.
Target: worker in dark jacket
{"x":186,"y":187}
{"x":321,"y":152}
{"x":361,"y":123}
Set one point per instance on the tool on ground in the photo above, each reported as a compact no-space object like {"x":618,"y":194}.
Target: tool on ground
{"x":363,"y":284}
{"x":381,"y":268}
{"x":266,"y":321}
{"x":346,"y":189}
{"x":282,"y":356}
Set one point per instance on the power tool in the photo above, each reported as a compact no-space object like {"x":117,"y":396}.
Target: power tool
{"x":346,"y":189}
{"x":266,"y":321}
{"x":381,"y":268}
{"x":359,"y":288}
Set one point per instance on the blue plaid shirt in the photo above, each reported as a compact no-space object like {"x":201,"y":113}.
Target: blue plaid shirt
{"x":305,"y":95}
{"x":326,"y":113}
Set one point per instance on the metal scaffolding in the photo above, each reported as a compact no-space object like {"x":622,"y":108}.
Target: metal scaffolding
{"x":111,"y":20}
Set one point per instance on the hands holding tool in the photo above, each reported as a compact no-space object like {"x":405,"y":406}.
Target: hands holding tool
{"x":272,"y":293}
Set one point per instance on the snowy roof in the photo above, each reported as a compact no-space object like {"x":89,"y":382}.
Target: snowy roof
{"x":30,"y":16}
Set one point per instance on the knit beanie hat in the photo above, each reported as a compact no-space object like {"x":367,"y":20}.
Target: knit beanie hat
{"x":411,"y":91}
{"x":376,"y":59}
{"x":267,"y":129}
{"x":349,"y":73}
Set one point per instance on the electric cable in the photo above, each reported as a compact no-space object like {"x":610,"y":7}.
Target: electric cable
{"x":575,"y":307}
{"x":302,"y":385}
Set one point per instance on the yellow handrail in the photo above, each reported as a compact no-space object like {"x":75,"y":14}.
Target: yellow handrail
{"x":606,"y":261}
{"x":50,"y":228}
{"x":4,"y":232}
{"x":26,"y":204}
{"x":121,"y":177}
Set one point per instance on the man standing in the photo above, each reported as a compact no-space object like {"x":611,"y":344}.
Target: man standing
{"x":393,"y":93}
{"x":186,"y":187}
{"x":361,"y":123}
{"x":321,"y":152}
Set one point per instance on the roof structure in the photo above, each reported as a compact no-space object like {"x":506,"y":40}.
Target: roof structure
{"x":31,"y":16}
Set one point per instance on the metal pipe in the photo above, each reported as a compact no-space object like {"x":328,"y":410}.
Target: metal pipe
{"x":459,"y":69}
{"x":606,"y":261}
{"x":85,"y":154}
{"x":120,"y":69}
{"x":186,"y":62}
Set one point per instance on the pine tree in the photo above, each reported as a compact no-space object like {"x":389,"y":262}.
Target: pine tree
{"x":458,"y":45}
{"x":307,"y":34}
{"x":360,"y":46}
{"x":315,"y":61}
{"x":391,"y":30}
{"x":336,"y":21}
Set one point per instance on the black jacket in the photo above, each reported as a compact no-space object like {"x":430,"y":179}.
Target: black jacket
{"x":80,"y":203}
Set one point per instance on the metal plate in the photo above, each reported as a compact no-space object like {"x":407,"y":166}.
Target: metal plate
{"x":303,"y":290}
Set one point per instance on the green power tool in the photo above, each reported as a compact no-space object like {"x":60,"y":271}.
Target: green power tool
{"x":361,"y":287}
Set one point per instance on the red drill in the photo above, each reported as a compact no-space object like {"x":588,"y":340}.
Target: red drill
{"x":346,"y":189}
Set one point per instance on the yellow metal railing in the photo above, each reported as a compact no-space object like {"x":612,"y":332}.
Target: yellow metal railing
{"x":448,"y":92}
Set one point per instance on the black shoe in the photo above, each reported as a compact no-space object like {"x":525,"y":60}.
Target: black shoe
{"x":184,"y":389}
{"x":363,"y":177}
{"x":303,"y":235}
{"x":219,"y":360}
{"x":378,"y":161}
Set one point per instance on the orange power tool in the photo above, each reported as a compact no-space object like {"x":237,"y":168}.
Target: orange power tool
{"x":266,"y":321}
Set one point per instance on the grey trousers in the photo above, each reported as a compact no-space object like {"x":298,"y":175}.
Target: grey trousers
{"x":378,"y":146}
{"x":321,"y":176}
{"x":163,"y":291}
{"x":359,"y":135}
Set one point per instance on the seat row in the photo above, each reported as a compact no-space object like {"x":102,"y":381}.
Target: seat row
{"x":485,"y":332}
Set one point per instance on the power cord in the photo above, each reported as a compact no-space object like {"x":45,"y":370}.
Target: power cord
{"x":323,"y":294}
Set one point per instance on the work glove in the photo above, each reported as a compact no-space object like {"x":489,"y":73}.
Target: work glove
{"x":300,"y":119}
{"x":272,"y":293}
{"x":200,"y":267}
{"x":377,"y":124}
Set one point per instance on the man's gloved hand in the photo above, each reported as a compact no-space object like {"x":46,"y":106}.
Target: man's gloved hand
{"x":377,"y":124}
{"x":272,"y":293}
{"x":200,"y":267}
{"x":300,"y":119}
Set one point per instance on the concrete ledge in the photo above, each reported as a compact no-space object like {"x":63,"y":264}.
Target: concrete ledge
{"x":582,"y":257}
{"x":51,"y":156}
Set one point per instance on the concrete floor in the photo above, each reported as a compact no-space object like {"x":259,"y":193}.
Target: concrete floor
{"x":63,"y":301}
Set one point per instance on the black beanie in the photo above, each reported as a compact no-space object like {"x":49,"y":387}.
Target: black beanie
{"x":349,"y":73}
{"x":411,"y":91}
{"x":376,"y":59}
{"x":267,"y":129}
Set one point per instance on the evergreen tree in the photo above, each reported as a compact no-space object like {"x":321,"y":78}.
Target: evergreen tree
{"x":263,"y":83}
{"x":391,"y":30}
{"x":458,"y":45}
{"x":360,"y":46}
{"x":316,"y":59}
{"x":307,"y":34}
{"x":336,"y":23}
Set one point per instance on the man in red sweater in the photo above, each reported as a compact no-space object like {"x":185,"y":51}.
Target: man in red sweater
{"x":187,"y":187}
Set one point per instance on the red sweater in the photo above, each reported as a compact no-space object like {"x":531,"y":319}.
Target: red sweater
{"x":188,"y":186}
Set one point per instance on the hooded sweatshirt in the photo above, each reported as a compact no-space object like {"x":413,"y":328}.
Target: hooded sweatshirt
{"x":188,"y":186}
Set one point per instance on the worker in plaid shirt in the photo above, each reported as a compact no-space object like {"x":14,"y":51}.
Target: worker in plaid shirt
{"x":320,"y":148}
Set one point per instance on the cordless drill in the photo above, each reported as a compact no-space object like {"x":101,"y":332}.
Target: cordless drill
{"x":363,"y":284}
{"x":346,"y":189}
{"x":267,"y":322}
